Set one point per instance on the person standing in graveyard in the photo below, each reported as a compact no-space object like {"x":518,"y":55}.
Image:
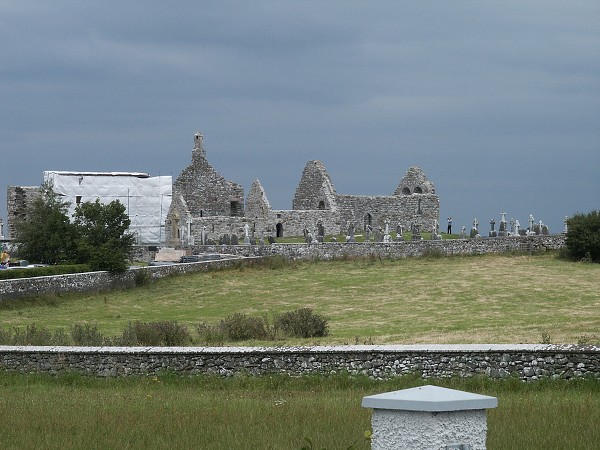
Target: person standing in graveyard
{"x":449,"y":225}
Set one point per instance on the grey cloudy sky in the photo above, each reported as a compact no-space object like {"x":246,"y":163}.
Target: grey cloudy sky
{"x":498,"y":102}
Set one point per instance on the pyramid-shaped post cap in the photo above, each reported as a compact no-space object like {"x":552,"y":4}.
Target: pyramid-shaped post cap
{"x":429,"y":398}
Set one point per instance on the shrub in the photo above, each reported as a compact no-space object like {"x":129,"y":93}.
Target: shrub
{"x":142,"y":277}
{"x":87,"y":335}
{"x":583,"y":237}
{"x":163,"y":333}
{"x":302,"y":323}
{"x":38,"y":335}
{"x":240,"y":327}
{"x":210,"y":334}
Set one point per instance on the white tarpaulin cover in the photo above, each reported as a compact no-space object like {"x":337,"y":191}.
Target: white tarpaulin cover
{"x":146,"y":199}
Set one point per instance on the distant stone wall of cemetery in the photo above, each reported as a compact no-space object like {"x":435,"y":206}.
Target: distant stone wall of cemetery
{"x":525,"y":362}
{"x":100,"y":281}
{"x":333,"y":250}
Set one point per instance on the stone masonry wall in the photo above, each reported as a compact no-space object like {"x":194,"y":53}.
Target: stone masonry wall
{"x":331,"y":250}
{"x":525,"y":362}
{"x":18,"y":198}
{"x":99,"y":281}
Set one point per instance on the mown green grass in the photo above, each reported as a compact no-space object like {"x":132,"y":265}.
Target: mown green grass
{"x":278,"y":412}
{"x":476,"y":299}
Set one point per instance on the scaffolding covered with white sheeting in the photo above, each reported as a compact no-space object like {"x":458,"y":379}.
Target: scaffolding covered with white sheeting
{"x":146,"y":199}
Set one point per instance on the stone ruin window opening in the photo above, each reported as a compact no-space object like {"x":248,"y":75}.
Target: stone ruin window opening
{"x":418,"y":190}
{"x":78,"y":199}
{"x":368,"y":220}
{"x":201,"y":213}
{"x":405,"y":191}
{"x":235,"y":208}
{"x":419,"y":212}
{"x":321,"y":205}
{"x":279,"y":228}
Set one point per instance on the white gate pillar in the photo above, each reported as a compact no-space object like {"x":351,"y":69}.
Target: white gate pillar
{"x":429,"y":417}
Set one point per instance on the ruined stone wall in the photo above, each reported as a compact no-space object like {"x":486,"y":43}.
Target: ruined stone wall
{"x":525,"y":362}
{"x":18,"y":199}
{"x":396,"y":250}
{"x":407,"y":210}
{"x":100,"y":281}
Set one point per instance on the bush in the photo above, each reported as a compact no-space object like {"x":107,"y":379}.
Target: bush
{"x":302,"y":323}
{"x":87,"y":335}
{"x":36,"y":335}
{"x":583,"y":237}
{"x":240,"y":327}
{"x":163,"y":333}
{"x":210,"y":334}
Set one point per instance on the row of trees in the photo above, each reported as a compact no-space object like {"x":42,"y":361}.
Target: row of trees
{"x":98,"y":234}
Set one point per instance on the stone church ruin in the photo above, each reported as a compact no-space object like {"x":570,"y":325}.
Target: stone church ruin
{"x":207,"y":208}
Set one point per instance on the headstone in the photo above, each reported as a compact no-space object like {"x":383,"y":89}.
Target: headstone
{"x":226,"y":239}
{"x":386,"y":235}
{"x":493,"y":232}
{"x":234,"y":239}
{"x":502,"y":229}
{"x":271,"y":239}
{"x":474,"y":231}
{"x":350,"y":237}
{"x":246,"y":234}
{"x":416,"y":233}
{"x":368,"y":232}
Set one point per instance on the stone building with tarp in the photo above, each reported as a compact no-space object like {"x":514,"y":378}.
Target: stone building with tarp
{"x":206,"y":205}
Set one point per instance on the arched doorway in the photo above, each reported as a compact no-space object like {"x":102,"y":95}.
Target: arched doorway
{"x":279,"y":230}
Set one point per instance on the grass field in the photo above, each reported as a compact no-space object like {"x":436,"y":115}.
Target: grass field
{"x":476,"y":299}
{"x":73,"y":412}
{"x":491,"y":299}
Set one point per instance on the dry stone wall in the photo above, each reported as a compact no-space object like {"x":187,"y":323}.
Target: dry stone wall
{"x":525,"y":362}
{"x":396,"y":250}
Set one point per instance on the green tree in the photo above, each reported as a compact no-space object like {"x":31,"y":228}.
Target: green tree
{"x":583,"y":236}
{"x":45,"y":235}
{"x":102,"y":236}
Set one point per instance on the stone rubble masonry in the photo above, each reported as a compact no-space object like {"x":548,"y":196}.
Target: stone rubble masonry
{"x":525,"y":362}
{"x":101,"y":281}
{"x":396,"y":250}
{"x":18,"y":199}
{"x":203,"y":198}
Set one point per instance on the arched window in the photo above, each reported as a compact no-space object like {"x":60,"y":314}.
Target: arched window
{"x":321,"y":205}
{"x":418,"y":190}
{"x":405,"y":191}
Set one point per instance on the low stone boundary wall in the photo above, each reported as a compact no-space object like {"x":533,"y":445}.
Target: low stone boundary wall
{"x":397,"y":250}
{"x":100,"y":281}
{"x":526,"y":362}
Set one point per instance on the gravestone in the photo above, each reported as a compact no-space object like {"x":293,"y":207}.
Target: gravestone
{"x":320,"y":232}
{"x":271,"y":239}
{"x":350,"y":237}
{"x":474,"y":231}
{"x":502,"y":229}
{"x":493,"y":232}
{"x":234,"y":239}
{"x":226,"y":240}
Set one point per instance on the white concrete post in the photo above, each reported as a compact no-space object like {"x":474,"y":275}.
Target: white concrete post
{"x":429,"y":417}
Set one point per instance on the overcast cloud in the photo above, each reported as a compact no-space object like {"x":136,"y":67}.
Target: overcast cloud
{"x":498,"y":102}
